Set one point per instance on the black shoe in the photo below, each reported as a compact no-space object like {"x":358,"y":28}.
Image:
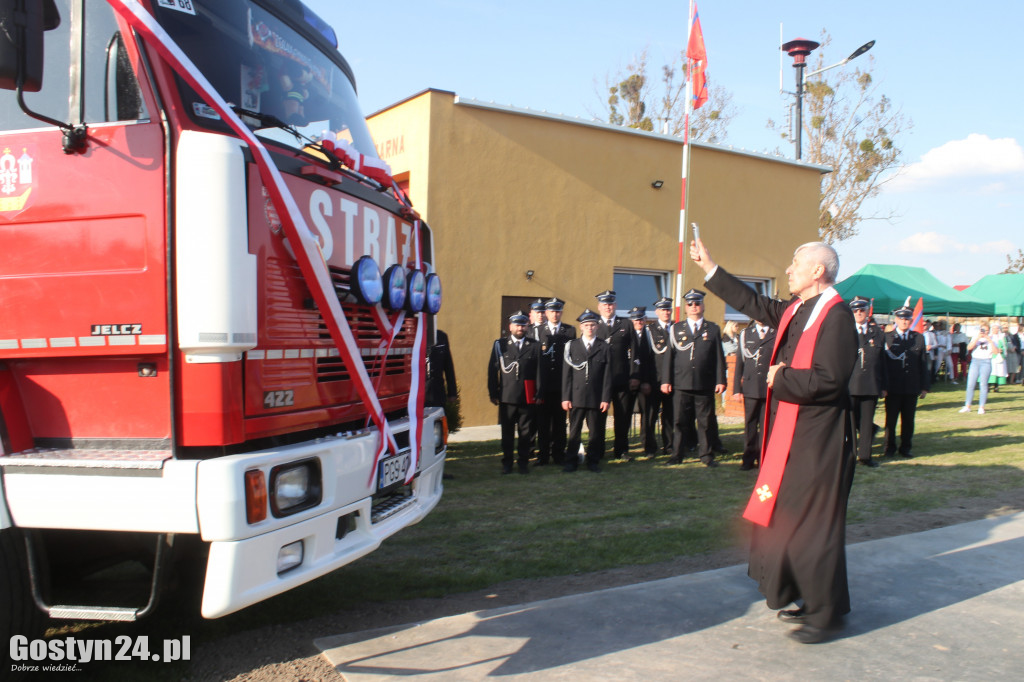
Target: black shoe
{"x":673,"y":460}
{"x":746,"y":467}
{"x":524,"y":468}
{"x":808,"y":634}
{"x":592,"y":466}
{"x":889,"y":453}
{"x":569,"y":468}
{"x":906,"y":455}
{"x":870,"y":463}
{"x":540,"y":463}
{"x":720,"y":449}
{"x":711,"y":464}
{"x":506,"y":469}
{"x":791,"y":616}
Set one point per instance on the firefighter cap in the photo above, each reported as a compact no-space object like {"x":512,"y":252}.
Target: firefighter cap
{"x":588,"y":315}
{"x":606,"y":296}
{"x":638,"y":312}
{"x":663,"y":303}
{"x":537,"y":305}
{"x":695,"y":295}
{"x":554,"y":304}
{"x":859,"y":303}
{"x":518,"y":317}
{"x":903,"y":313}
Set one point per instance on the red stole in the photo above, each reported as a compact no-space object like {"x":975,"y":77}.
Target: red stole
{"x":775,"y":453}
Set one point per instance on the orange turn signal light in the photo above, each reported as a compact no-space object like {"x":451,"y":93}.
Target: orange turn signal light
{"x":255,"y":496}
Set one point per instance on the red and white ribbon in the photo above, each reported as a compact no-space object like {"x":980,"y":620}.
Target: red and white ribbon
{"x":310,"y":258}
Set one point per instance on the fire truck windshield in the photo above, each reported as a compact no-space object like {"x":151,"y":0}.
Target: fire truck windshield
{"x":260,"y":62}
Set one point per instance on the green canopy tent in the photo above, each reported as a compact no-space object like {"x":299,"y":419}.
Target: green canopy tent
{"x":890,"y":285}
{"x":1006,"y":291}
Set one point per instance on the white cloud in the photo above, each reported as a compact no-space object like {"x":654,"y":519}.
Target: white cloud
{"x":933,"y":243}
{"x":976,"y":156}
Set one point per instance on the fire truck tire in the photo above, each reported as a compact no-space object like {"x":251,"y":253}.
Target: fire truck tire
{"x":18,"y":612}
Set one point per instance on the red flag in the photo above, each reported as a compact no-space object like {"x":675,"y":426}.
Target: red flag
{"x":918,"y":320}
{"x":697,"y":58}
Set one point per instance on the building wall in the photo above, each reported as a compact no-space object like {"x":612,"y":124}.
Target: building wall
{"x":507,"y":191}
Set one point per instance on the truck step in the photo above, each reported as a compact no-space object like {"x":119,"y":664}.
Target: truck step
{"x":76,"y":458}
{"x":118,"y":613}
{"x":388,"y":507}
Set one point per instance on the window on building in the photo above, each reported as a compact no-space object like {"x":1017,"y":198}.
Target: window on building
{"x":638,"y":288}
{"x":762,"y":285}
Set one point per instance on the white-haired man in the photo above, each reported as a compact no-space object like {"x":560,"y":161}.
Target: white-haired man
{"x":797,"y":551}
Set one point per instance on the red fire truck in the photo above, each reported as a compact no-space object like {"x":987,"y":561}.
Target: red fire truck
{"x":214,"y":310}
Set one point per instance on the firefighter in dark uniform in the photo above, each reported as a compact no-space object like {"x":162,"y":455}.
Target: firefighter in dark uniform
{"x":750,"y":384}
{"x":515,"y":384}
{"x":658,"y":333}
{"x":553,"y":335}
{"x":907,"y":379}
{"x":694,"y":371}
{"x":586,"y":391}
{"x":536,"y":319}
{"x":867,"y":382}
{"x":617,"y":332}
{"x":647,"y":373}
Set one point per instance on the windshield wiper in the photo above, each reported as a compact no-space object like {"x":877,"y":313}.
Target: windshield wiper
{"x":264,"y":120}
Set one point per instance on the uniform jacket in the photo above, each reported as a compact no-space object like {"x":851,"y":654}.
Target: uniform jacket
{"x":906,"y":366}
{"x":622,"y":346}
{"x":693,"y":362}
{"x":511,"y":373}
{"x":643,"y":358}
{"x":440,"y":384}
{"x":869,"y":375}
{"x":552,"y":349}
{"x":587,"y":377}
{"x":753,"y":356}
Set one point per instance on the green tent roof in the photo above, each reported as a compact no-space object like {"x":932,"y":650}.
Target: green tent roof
{"x":1006,"y":291}
{"x":890,"y":285}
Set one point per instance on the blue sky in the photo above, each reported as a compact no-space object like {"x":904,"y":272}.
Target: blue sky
{"x":950,"y":67}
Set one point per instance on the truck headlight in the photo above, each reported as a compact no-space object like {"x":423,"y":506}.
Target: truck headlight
{"x":289,"y":556}
{"x":295,"y":486}
{"x":433,"y":294}
{"x":366,"y":282}
{"x":394,"y":287}
{"x":417,"y":291}
{"x":440,"y":434}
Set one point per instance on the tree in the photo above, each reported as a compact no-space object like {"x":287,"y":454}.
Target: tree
{"x":635,"y":101}
{"x":849,"y":126}
{"x":1014,"y":263}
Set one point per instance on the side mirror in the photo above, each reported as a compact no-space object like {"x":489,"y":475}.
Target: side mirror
{"x":22,"y":23}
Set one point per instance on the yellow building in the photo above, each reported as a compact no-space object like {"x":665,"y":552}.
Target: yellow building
{"x":528,"y":205}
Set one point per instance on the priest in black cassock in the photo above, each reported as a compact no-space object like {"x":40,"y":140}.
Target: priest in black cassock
{"x":798,"y":545}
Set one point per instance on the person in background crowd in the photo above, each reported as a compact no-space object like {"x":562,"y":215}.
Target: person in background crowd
{"x":618,"y":333}
{"x":515,"y":385}
{"x":798,"y":506}
{"x":958,"y":352}
{"x":536,"y":318}
{"x":930,"y":344}
{"x":941,"y":354}
{"x":907,"y":378}
{"x":981,"y":349}
{"x":659,"y":339}
{"x":694,"y":372}
{"x":553,"y":335}
{"x":586,"y":392}
{"x":1017,"y":332}
{"x":440,"y":386}
{"x":730,"y":345}
{"x":1012,"y":355}
{"x":867,"y":382}
{"x":999,"y":365}
{"x":750,"y":384}
{"x":643,"y":358}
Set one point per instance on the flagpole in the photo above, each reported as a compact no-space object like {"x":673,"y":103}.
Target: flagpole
{"x":681,"y":268}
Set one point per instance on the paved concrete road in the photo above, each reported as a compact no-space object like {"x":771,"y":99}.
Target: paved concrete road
{"x":945,"y":604}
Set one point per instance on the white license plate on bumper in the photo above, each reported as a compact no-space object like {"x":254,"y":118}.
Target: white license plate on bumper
{"x":392,"y":470}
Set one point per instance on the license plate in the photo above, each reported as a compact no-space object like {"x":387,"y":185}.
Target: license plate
{"x":393,"y":470}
